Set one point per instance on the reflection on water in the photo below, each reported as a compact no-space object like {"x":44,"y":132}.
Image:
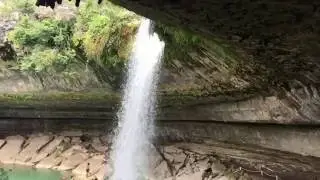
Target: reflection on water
{"x":19,"y":173}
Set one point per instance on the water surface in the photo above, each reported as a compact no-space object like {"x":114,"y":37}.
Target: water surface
{"x":20,"y":173}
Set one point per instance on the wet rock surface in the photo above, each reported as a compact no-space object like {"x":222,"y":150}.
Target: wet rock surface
{"x":179,"y":161}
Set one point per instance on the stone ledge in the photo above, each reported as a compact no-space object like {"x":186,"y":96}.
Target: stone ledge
{"x":180,"y":161}
{"x":297,"y":106}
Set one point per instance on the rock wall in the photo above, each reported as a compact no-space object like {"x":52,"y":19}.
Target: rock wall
{"x":276,"y":46}
{"x":103,"y":105}
{"x":253,"y":66}
{"x":280,"y":37}
{"x":88,"y":157}
{"x":84,"y":157}
{"x":12,"y":81}
{"x":303,"y":140}
{"x":270,"y":109}
{"x":210,"y":68}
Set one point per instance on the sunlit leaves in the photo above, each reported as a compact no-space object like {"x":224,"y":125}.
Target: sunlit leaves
{"x":178,"y":42}
{"x":100,"y":37}
{"x":43,"y":44}
{"x":48,"y":32}
{"x":41,"y":59}
{"x":104,"y":29}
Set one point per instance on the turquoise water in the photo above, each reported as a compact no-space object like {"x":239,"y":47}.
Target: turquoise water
{"x":28,"y":174}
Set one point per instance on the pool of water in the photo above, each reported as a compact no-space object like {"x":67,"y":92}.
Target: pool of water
{"x":21,"y":173}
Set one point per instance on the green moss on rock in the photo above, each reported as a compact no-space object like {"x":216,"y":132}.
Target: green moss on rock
{"x":59,"y":96}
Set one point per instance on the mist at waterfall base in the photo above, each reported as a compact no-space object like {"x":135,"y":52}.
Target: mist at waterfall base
{"x":137,"y":112}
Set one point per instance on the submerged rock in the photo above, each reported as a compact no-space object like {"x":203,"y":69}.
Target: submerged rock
{"x":72,"y":161}
{"x":49,"y":162}
{"x":32,"y":149}
{"x":175,"y":161}
{"x":11,"y":149}
{"x":47,"y":150}
{"x":90,"y":167}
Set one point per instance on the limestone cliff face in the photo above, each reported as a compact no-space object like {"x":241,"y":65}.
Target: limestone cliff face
{"x":278,"y":43}
{"x":281,"y":37}
{"x":219,"y":83}
{"x":257,"y":62}
{"x":298,"y":106}
{"x":211,"y":68}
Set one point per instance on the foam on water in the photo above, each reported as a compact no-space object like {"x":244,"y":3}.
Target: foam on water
{"x":137,"y":113}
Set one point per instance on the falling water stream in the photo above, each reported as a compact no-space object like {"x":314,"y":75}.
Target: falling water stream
{"x":137,"y":112}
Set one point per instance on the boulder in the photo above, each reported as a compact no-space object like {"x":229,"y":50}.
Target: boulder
{"x":72,"y":161}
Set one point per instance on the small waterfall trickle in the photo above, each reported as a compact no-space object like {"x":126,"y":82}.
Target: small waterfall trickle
{"x":137,"y":113}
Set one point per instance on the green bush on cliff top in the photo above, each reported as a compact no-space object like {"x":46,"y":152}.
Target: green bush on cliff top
{"x":99,"y":37}
{"x":43,"y":45}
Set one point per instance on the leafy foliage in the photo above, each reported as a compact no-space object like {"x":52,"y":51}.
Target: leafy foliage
{"x":48,"y":32}
{"x":105,"y":31}
{"x":44,"y":45}
{"x":105,"y":34}
{"x":53,"y":58}
{"x":21,"y":6}
{"x":178,"y":42}
{"x":100,"y":38}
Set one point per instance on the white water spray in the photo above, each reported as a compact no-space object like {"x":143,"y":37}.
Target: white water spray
{"x":137,"y":113}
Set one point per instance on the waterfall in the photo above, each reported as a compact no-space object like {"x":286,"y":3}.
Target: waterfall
{"x":136,"y":115}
